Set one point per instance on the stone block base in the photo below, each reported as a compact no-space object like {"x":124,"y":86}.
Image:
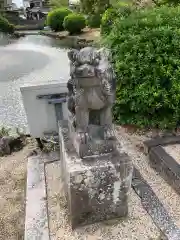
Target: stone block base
{"x":96,"y":188}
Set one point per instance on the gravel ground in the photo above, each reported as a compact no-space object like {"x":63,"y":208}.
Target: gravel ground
{"x":132,"y":143}
{"x":45,"y":62}
{"x":138,"y":225}
{"x":12,"y":195}
{"x":174,"y":151}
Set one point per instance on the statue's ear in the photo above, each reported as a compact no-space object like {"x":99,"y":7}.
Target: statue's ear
{"x":72,"y":55}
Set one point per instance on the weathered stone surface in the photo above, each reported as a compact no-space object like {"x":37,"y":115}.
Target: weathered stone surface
{"x":36,"y":220}
{"x":96,"y":175}
{"x":96,"y":187}
{"x":166,"y":166}
{"x":91,"y":88}
{"x":161,"y":141}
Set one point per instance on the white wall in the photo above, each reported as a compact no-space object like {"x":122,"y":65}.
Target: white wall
{"x":41,"y":115}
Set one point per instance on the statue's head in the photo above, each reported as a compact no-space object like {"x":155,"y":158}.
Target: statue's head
{"x":90,"y":62}
{"x":84,"y":62}
{"x":87,"y":55}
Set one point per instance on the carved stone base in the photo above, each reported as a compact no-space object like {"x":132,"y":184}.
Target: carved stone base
{"x":95,"y":145}
{"x":97,"y":188}
{"x":94,"y":148}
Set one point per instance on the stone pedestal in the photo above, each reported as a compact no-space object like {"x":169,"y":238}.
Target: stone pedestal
{"x":96,"y":187}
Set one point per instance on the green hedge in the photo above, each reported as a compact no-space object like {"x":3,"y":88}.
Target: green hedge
{"x":94,"y":20}
{"x":110,"y":15}
{"x":5,"y":26}
{"x":56,"y":17}
{"x":146,"y":56}
{"x":107,"y":20}
{"x":74,"y":23}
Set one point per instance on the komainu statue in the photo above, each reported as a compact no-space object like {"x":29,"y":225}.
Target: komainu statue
{"x":90,"y":99}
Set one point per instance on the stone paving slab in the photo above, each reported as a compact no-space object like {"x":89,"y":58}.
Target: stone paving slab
{"x":36,"y":220}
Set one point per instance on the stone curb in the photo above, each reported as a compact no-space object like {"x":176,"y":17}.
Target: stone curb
{"x":154,"y":207}
{"x":36,"y":219}
{"x":162,"y":162}
{"x":163,"y":141}
{"x":74,"y":41}
{"x":166,"y":166}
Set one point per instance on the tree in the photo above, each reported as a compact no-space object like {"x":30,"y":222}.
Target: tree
{"x":58,"y":3}
{"x":94,"y":6}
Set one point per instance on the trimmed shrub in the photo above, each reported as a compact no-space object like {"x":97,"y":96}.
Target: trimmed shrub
{"x":74,"y":23}
{"x":5,"y":26}
{"x":145,"y":48}
{"x":94,"y":21}
{"x":56,"y":17}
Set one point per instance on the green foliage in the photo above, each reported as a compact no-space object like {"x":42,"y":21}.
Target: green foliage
{"x":58,"y":3}
{"x":5,"y":26}
{"x":146,"y":57}
{"x":56,"y":17}
{"x":111,"y":14}
{"x":166,"y":2}
{"x":92,"y":7}
{"x":119,"y":4}
{"x":74,"y":23}
{"x":107,"y":20}
{"x":94,"y":21}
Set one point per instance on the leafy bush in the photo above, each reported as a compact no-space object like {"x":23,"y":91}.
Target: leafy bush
{"x":110,"y":16}
{"x":56,"y":17}
{"x":146,"y":57}
{"x":94,"y":21}
{"x":5,"y":26}
{"x":107,"y":20}
{"x":92,"y":7}
{"x":74,"y":23}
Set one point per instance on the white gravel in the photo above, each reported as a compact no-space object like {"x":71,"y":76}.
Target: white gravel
{"x":174,"y":151}
{"x":133,"y":145}
{"x":138,"y":225}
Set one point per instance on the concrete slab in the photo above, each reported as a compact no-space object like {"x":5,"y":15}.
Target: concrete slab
{"x":36,"y":220}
